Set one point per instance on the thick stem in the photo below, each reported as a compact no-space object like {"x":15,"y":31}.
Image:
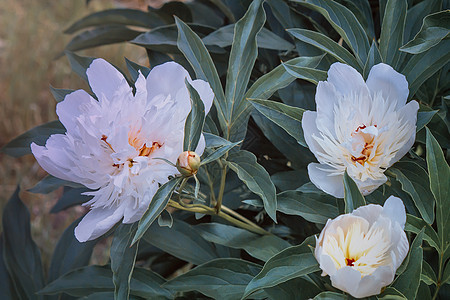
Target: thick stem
{"x":237,"y":215}
{"x":438,"y":283}
{"x":221,"y":189}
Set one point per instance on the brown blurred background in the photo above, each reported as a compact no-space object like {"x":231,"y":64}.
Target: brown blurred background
{"x":31,"y":37}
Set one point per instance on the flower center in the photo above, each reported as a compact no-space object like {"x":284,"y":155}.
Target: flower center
{"x":362,"y":143}
{"x":357,"y":246}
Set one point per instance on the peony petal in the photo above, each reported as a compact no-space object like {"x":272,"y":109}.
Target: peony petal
{"x":370,"y":212}
{"x":166,"y":79}
{"x":393,"y":85}
{"x":346,"y":279}
{"x":320,"y":176}
{"x":205,"y":92}
{"x":105,"y":80}
{"x":394,"y":209}
{"x":201,"y":145}
{"x":309,"y":130}
{"x":70,"y":109}
{"x":326,"y":98}
{"x":97,"y":222}
{"x":369,"y":185}
{"x":372,"y":284}
{"x":326,"y":265}
{"x":346,"y":79}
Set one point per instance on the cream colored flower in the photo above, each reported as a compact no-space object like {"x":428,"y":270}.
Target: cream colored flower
{"x":361,"y":251}
{"x":110,"y":144}
{"x":361,"y":127}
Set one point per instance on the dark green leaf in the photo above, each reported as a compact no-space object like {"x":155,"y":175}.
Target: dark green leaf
{"x":439,"y":175}
{"x":224,"y":278}
{"x":223,"y":37}
{"x":218,"y":153}
{"x":50,"y":183}
{"x":308,"y":74}
{"x":134,"y":69}
{"x":415,"y":225}
{"x":71,"y":197}
{"x":417,"y":13}
{"x":294,"y":289}
{"x":6,"y":285}
{"x":435,"y":27}
{"x":391,"y":37}
{"x":21,"y":145}
{"x":408,"y":282}
{"x":312,"y":207}
{"x":60,"y":94}
{"x":414,"y":181}
{"x":123,"y":257}
{"x":345,"y":23}
{"x":244,"y":52}
{"x":391,"y":293}
{"x":255,"y":178}
{"x":290,"y":263}
{"x":423,"y":118}
{"x":428,"y":276}
{"x":117,"y":16}
{"x":69,"y":253}
{"x":373,"y":58}
{"x":194,"y":122}
{"x":165,"y":219}
{"x":446,"y":274}
{"x":279,"y":78}
{"x":287,"y":117}
{"x":261,"y":247}
{"x":182,"y":241}
{"x":213,"y":141}
{"x":157,"y":205}
{"x":330,"y":296}
{"x":79,"y":64}
{"x":20,"y":254}
{"x":352,"y":196}
{"x":100,"y":36}
{"x":195,"y":52}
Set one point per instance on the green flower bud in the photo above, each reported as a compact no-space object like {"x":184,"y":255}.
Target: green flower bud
{"x":188,"y":163}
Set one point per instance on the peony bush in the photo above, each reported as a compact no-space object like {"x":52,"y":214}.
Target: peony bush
{"x":268,"y":150}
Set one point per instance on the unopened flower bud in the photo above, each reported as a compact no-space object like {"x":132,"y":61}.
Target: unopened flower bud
{"x":188,"y":163}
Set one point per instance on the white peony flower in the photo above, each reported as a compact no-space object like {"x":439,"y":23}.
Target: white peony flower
{"x":361,"y":127}
{"x":110,"y":143}
{"x":361,"y":251}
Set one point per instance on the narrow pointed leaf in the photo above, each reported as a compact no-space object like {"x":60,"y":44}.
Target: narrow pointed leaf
{"x":326,"y":44}
{"x":352,"y":196}
{"x":415,"y":225}
{"x":434,"y":29}
{"x":224,"y":278}
{"x":305,"y":73}
{"x":60,"y":94}
{"x":50,"y":183}
{"x":194,"y":121}
{"x":218,"y":153}
{"x":290,"y":263}
{"x":255,"y":178}
{"x":123,"y":257}
{"x":134,"y":68}
{"x":157,"y":205}
{"x":79,"y":64}
{"x":195,"y":52}
{"x":423,"y":118}
{"x":373,"y":58}
{"x":287,"y":117}
{"x":439,"y":174}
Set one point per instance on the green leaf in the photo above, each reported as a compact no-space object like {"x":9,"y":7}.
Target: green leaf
{"x":103,"y":35}
{"x":244,"y":52}
{"x":50,"y":183}
{"x":352,"y":196}
{"x":415,"y":225}
{"x":294,"y":289}
{"x":195,"y":52}
{"x":223,"y":37}
{"x":60,"y":94}
{"x":391,"y":37}
{"x":134,"y":68}
{"x":123,"y":257}
{"x":165,"y":219}
{"x":194,"y":122}
{"x":117,"y":16}
{"x":428,"y":276}
{"x":20,"y":146}
{"x":5,"y":281}
{"x":213,"y":141}
{"x":408,"y":282}
{"x":439,"y":175}
{"x":157,"y":205}
{"x":69,"y":253}
{"x":79,"y":64}
{"x":260,"y":247}
{"x":414,"y":181}
{"x":255,"y":177}
{"x":423,"y":118}
{"x":434,"y":29}
{"x":330,"y":296}
{"x":391,"y":293}
{"x":20,"y":254}
{"x":345,"y":23}
{"x":423,"y":65}
{"x":182,"y":241}
{"x":326,"y":44}
{"x":446,"y":274}
{"x":218,"y":153}
{"x":373,"y":58}
{"x":287,"y":117}
{"x":94,"y":279}
{"x":224,"y":278}
{"x":71,"y":197}
{"x":290,"y":263}
{"x":308,"y":74}
{"x":279,"y":78}
{"x":312,"y":207}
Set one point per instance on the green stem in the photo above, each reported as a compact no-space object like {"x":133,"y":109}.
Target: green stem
{"x":183,"y":183}
{"x":237,"y":215}
{"x":221,"y":189}
{"x":438,"y":283}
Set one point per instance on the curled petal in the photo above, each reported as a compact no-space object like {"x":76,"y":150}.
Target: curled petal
{"x":97,"y":222}
{"x":322,"y":177}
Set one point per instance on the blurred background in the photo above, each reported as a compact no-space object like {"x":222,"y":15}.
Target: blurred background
{"x":31,"y":43}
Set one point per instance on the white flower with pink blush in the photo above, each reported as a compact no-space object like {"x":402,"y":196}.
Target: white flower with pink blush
{"x":361,"y":127}
{"x":110,"y":144}
{"x":361,"y":251}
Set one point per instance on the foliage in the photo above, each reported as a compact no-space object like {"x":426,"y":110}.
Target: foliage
{"x":252,"y":192}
